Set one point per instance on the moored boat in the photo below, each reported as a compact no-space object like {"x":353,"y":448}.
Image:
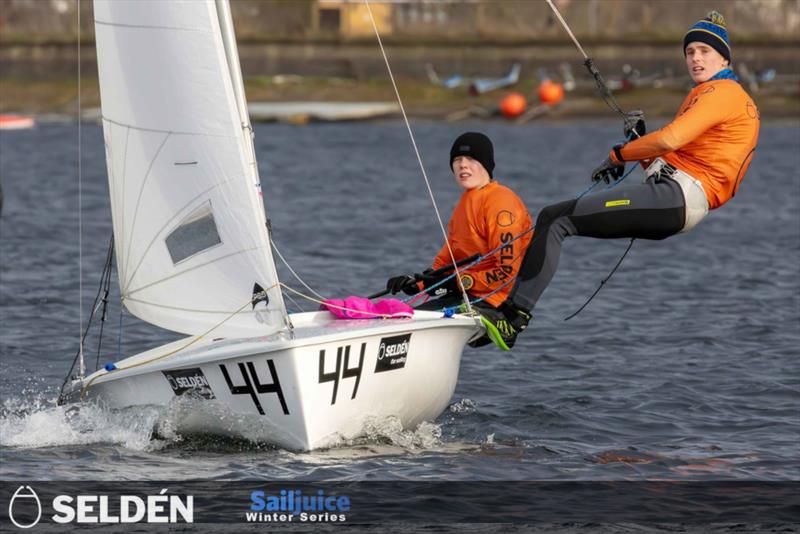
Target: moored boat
{"x":10,"y":121}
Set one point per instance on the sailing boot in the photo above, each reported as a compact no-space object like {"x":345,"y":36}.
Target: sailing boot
{"x":502,"y":324}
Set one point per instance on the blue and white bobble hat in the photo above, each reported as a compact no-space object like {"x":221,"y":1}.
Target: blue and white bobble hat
{"x":711,"y":31}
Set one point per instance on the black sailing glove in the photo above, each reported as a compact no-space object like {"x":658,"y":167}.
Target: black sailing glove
{"x":608,"y":171}
{"x":449,"y":286}
{"x":429,"y":280}
{"x":635,"y":126}
{"x":405,"y":283}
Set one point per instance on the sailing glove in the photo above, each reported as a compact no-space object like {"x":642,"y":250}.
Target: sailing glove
{"x":448,"y":287}
{"x":608,"y":171}
{"x":441,"y":290}
{"x":405,"y":283}
{"x":635,"y":126}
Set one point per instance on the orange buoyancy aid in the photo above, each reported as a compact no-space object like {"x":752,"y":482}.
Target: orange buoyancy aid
{"x":712,"y":138}
{"x":486,"y":219}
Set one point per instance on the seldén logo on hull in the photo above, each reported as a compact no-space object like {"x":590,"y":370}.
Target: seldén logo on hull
{"x":393,"y":353}
{"x":189,"y":382}
{"x":25,"y":510}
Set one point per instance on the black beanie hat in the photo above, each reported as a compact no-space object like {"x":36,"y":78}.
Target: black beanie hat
{"x":475,"y":145}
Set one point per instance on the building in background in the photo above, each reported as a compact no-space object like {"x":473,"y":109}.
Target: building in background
{"x":36,"y":21}
{"x":351,"y":19}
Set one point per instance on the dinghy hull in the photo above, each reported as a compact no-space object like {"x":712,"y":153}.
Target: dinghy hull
{"x":321,"y":387}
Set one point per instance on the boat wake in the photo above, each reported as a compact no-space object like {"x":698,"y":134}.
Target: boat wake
{"x":34,"y":423}
{"x":27,"y":423}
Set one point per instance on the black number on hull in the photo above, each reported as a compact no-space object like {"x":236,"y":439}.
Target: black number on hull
{"x":252,"y":384}
{"x":338,"y":373}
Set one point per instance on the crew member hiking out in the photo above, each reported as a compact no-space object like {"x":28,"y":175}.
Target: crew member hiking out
{"x":488,"y":217}
{"x":693,"y":165}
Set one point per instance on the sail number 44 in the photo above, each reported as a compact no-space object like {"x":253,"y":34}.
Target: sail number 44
{"x":340,"y":372}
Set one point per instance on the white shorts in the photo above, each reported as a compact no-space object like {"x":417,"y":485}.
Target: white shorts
{"x":693,"y":193}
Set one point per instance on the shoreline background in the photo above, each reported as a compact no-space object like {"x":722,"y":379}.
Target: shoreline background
{"x":318,"y":50}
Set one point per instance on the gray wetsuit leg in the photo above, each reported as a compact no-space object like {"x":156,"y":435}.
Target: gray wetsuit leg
{"x":654,"y":209}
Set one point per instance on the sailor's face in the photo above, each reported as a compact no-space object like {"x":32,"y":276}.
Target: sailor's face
{"x":703,"y":61}
{"x":469,"y":173}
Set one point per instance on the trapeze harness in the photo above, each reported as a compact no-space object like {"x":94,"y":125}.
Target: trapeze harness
{"x":694,"y":164}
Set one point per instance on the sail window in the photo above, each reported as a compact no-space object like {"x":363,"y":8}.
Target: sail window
{"x":196,"y":233}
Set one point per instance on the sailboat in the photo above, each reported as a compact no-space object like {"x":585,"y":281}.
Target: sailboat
{"x":192,"y":250}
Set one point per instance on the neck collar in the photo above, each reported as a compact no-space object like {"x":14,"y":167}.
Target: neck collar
{"x":724,"y":74}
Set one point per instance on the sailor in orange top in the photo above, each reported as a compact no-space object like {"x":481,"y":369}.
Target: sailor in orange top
{"x":489,"y":219}
{"x":693,"y":165}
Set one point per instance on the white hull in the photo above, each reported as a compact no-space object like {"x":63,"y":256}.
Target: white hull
{"x":302,"y":393}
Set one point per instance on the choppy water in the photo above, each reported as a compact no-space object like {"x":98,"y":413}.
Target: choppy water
{"x":685,"y":366}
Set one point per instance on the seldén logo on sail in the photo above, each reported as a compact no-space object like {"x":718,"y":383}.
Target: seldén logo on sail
{"x":290,"y":505}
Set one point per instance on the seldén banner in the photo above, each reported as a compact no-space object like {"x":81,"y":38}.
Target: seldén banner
{"x":28,"y":504}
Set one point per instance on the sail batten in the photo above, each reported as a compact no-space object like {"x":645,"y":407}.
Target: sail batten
{"x":148,"y":26}
{"x":139,"y":199}
{"x":189,"y":223}
{"x":155,"y":130}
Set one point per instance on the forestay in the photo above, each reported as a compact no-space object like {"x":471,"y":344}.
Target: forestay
{"x":189,"y":224}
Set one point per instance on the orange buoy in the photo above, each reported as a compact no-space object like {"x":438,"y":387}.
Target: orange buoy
{"x":513,"y":105}
{"x":550,"y":92}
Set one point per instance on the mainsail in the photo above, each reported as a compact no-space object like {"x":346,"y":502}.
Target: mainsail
{"x":189,"y":225}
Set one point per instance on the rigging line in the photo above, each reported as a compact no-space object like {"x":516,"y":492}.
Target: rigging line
{"x":82,"y":362}
{"x":603,"y":282}
{"x":419,"y":158}
{"x":119,"y":331}
{"x":295,"y":303}
{"x":297,"y":276}
{"x":566,"y":27}
{"x":85,"y":333}
{"x":605,"y":93}
{"x":106,"y":287}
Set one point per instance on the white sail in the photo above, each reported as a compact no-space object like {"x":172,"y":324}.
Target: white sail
{"x":189,"y":225}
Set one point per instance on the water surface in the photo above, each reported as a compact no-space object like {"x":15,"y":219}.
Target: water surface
{"x":684,"y":367}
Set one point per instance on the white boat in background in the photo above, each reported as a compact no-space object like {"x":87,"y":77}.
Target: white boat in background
{"x":304,"y":112}
{"x":193,"y":256}
{"x":11,"y":121}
